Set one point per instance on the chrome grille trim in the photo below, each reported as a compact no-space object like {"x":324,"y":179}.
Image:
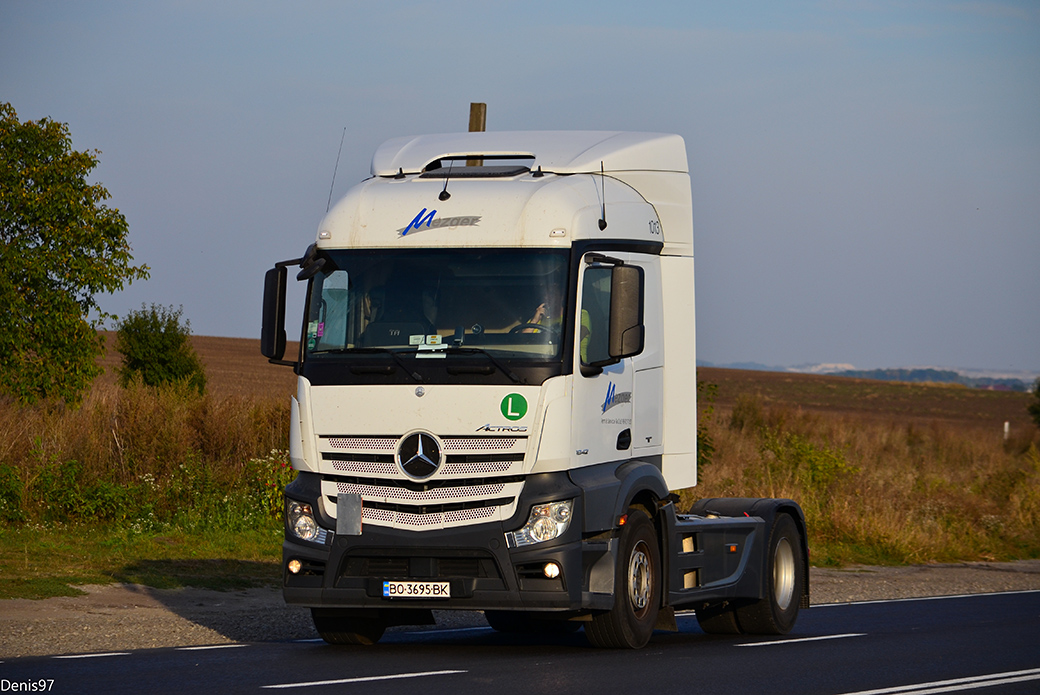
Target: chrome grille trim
{"x":405,"y":495}
{"x":477,"y":463}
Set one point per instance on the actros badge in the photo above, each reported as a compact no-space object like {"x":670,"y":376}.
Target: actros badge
{"x":419,"y":455}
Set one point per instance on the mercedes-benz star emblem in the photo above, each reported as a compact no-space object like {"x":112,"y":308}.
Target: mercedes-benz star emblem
{"x":419,"y":455}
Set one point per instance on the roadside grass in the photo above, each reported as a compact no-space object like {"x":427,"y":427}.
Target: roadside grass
{"x":43,"y":561}
{"x":880,"y":492}
{"x":158,"y":486}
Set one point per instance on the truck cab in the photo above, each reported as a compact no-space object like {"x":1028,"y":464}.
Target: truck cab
{"x":497,"y":397}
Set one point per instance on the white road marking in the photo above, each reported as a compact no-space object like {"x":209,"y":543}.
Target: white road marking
{"x":364,"y":679}
{"x":957,"y":684}
{"x":210,"y":646}
{"x":800,"y":639}
{"x":448,"y":631}
{"x":922,"y":598}
{"x":90,"y":656}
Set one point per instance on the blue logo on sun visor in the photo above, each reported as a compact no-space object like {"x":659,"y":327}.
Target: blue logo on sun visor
{"x":419,"y":221}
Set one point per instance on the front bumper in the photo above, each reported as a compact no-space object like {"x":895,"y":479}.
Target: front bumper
{"x":349,"y":571}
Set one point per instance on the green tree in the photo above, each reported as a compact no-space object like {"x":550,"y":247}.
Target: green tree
{"x":1034,"y":407}
{"x":59,"y":247}
{"x":156,"y":346}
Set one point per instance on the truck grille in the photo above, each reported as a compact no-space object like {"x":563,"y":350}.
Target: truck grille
{"x":420,"y":566}
{"x":480,"y":480}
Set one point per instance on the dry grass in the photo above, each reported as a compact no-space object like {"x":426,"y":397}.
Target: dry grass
{"x":886,"y":472}
{"x":144,"y":454}
{"x":932,"y":479}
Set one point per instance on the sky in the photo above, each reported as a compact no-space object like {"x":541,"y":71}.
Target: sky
{"x":866,"y":174}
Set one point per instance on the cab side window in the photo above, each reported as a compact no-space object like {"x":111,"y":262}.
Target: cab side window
{"x":593,"y":335}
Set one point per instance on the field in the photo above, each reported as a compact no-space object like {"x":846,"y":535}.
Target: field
{"x":169,"y":488}
{"x":879,"y":402}
{"x":234,"y":367}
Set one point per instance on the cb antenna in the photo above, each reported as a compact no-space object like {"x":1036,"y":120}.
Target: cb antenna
{"x":444,"y":193}
{"x":603,"y":197}
{"x":341,"y":138}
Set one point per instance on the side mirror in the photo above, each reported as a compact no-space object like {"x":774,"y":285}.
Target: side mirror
{"x":272,"y":334}
{"x":626,"y":311}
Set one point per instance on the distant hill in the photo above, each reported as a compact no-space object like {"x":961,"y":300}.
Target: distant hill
{"x":937,"y":376}
{"x":914,"y":375}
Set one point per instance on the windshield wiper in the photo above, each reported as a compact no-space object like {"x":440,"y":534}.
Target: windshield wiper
{"x":456,"y":350}
{"x":375,"y":351}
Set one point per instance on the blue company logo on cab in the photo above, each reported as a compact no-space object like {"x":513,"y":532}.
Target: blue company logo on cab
{"x":429,"y":220}
{"x":614,"y":398}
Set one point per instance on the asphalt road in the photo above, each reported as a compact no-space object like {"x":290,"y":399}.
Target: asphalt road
{"x":954,"y":644}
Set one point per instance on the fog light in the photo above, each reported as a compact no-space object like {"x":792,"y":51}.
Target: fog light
{"x":295,"y":566}
{"x":552,"y":570}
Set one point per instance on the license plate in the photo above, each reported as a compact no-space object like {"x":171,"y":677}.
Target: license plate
{"x":416,"y":590}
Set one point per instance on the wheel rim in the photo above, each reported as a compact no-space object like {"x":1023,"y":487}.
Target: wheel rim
{"x":783,"y":574}
{"x":640,"y":578}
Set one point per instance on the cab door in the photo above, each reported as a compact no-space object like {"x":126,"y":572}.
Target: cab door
{"x":604,"y":399}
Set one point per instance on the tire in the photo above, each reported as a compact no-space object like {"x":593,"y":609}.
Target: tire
{"x":719,"y":618}
{"x":336,"y":629}
{"x":785,"y":576}
{"x":529,"y":623}
{"x":637,"y":589}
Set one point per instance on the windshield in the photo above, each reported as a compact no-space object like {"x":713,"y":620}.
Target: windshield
{"x":438,"y":302}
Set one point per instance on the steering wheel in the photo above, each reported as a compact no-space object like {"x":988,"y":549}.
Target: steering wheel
{"x":519,"y":328}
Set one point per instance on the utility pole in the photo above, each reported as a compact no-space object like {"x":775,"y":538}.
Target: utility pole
{"x":477,"y":117}
{"x":477,"y":124}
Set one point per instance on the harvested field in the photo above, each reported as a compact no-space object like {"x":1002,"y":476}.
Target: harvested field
{"x":234,"y":366}
{"x":874,"y":401}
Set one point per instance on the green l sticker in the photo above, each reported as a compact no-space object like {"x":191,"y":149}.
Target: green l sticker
{"x":514,"y":406}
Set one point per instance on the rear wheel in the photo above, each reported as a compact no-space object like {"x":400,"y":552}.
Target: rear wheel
{"x":776,"y":613}
{"x":637,"y":589}
{"x":338,"y":629}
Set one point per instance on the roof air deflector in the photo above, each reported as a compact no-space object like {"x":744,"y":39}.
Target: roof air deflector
{"x":494,"y":166}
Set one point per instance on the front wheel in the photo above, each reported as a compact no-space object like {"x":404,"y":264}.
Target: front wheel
{"x":776,"y":613}
{"x":637,"y":589}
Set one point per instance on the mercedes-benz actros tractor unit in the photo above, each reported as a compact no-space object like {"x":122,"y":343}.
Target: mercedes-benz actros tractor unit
{"x":497,"y":401}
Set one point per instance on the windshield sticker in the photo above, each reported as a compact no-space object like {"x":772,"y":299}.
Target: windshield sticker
{"x":421,"y":339}
{"x":514,"y":406}
{"x":614,"y":398}
{"x":429,"y":220}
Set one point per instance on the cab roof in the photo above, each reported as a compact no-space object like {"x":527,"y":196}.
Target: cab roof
{"x":560,"y":152}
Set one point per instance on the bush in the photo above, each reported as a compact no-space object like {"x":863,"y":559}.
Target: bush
{"x":155,"y":348}
{"x":10,"y":494}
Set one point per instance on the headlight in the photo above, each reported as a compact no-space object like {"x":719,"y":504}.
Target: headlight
{"x":301,"y":520}
{"x":546,"y":522}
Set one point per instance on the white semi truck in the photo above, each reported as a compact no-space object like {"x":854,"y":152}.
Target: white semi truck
{"x":497,"y":399}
